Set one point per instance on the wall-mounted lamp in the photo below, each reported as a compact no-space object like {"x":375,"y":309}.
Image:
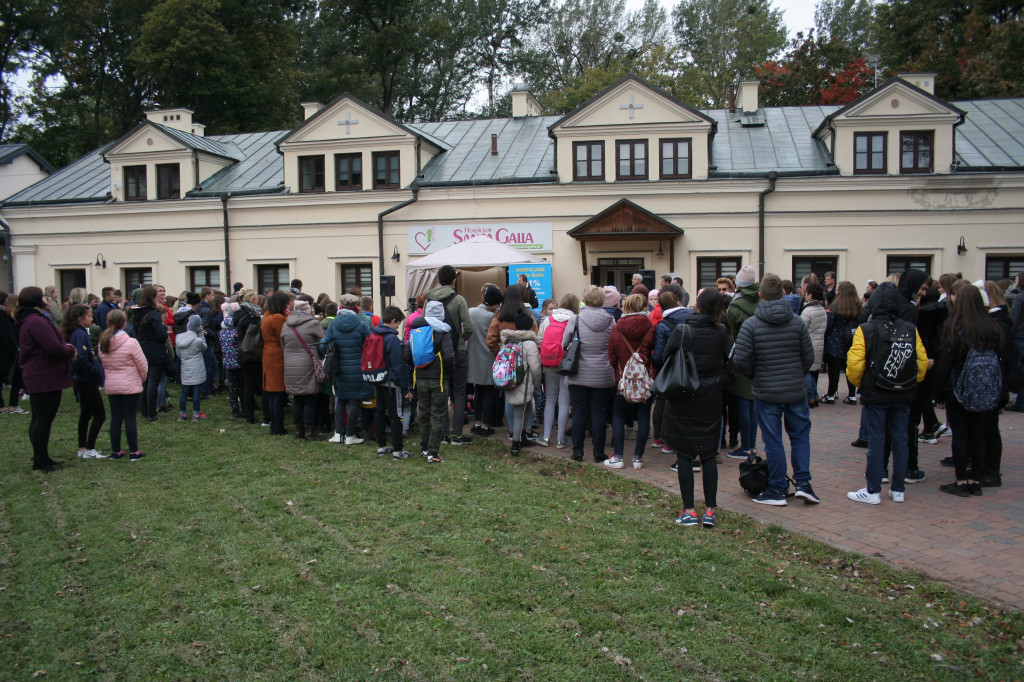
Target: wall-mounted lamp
{"x":101,"y":262}
{"x":396,"y":256}
{"x":661,"y":251}
{"x":961,"y":248}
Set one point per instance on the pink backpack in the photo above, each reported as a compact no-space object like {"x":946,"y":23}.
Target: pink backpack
{"x":551,"y":351}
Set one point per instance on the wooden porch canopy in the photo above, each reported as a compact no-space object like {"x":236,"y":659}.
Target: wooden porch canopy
{"x":624,"y":220}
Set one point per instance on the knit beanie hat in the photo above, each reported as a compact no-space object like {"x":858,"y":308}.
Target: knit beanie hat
{"x":348,"y":301}
{"x":745,"y":277}
{"x":640,"y":289}
{"x":192,"y":298}
{"x":493,"y":296}
{"x":301,"y":306}
{"x":195,"y":324}
{"x":611,"y":296}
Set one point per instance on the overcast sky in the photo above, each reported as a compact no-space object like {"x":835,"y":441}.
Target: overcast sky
{"x":797,"y":14}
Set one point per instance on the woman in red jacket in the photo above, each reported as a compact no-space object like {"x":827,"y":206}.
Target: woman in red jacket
{"x":633,"y":333}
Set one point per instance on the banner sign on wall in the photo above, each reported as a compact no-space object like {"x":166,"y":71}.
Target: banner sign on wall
{"x":538,"y":274}
{"x":526,"y":236}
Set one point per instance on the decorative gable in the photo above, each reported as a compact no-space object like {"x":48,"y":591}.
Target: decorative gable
{"x":632,"y":109}
{"x":348,"y":126}
{"x":889,"y":113}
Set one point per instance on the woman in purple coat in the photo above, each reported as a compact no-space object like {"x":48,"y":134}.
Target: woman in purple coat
{"x":45,"y":361}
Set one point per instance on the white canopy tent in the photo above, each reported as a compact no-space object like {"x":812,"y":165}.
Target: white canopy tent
{"x":475,"y":254}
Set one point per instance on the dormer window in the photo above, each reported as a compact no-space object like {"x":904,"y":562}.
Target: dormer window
{"x":588,"y":161}
{"x":385,"y":170}
{"x":311,"y":174}
{"x":348,"y":172}
{"x":631,"y":161}
{"x":916,"y":151}
{"x":675,"y":159}
{"x":869,"y":150}
{"x":134,"y":183}
{"x":168,"y":181}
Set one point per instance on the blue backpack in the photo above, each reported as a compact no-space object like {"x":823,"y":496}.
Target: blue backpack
{"x":979,"y":387}
{"x":422,"y":341}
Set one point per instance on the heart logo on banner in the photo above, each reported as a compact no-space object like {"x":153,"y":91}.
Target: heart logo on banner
{"x":416,"y":238}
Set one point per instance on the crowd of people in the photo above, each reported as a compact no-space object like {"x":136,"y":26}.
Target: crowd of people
{"x":555,"y":372}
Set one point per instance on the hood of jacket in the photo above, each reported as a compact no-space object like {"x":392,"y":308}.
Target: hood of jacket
{"x":118,"y":339}
{"x":562,"y":315}
{"x":440,"y":293}
{"x":297,"y":317}
{"x":595,"y":319}
{"x":346,"y":321}
{"x":185,"y":339}
{"x":634,"y":326}
{"x":910,"y":283}
{"x":749,"y":292}
{"x":384,"y":330}
{"x":139,"y":314}
{"x":885,"y":300}
{"x":774,"y":312}
{"x":182,"y":314}
{"x":518,"y":335}
{"x":23,"y":314}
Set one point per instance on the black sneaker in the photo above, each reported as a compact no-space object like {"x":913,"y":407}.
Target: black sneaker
{"x":947,"y":462}
{"x":136,"y":456}
{"x":859,"y":443}
{"x":958,"y":489}
{"x":805,"y":491}
{"x":117,"y":455}
{"x":459,"y":439}
{"x":674,"y":466}
{"x":991,"y":481}
{"x":776,"y":498}
{"x":915,"y":476}
{"x":974,"y":489}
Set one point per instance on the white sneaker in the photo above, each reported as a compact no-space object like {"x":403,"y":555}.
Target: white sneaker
{"x":83,"y":454}
{"x":353,"y":440}
{"x":614,"y":462}
{"x":864,"y":496}
{"x":897,"y":497}
{"x":943,"y":430}
{"x":638,"y":463}
{"x":336,"y":438}
{"x":94,"y":454}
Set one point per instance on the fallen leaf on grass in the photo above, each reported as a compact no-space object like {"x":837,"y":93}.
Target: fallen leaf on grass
{"x":289,"y":503}
{"x":256,"y":588}
{"x":39,"y":673}
{"x":937,"y":657}
{"x":622,"y":660}
{"x":311,"y":562}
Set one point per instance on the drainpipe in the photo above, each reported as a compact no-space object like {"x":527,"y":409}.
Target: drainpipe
{"x":195,"y":166}
{"x":227,"y":243}
{"x":772,"y":176}
{"x":380,"y":233}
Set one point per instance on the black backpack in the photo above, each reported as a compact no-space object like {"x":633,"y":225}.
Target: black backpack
{"x":891,"y":350}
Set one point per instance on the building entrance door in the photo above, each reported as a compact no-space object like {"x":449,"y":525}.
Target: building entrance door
{"x":617,"y":272}
{"x":70,"y":279}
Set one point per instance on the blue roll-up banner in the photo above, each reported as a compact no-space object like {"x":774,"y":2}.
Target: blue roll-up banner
{"x":539,"y":276}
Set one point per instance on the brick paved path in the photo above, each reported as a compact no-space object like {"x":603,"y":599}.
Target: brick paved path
{"x":975,"y":544}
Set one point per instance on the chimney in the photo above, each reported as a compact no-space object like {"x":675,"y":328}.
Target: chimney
{"x":925,"y":81}
{"x":730,"y":98}
{"x":310,"y":108}
{"x":523,"y":102}
{"x":178,"y":118}
{"x":198,"y":129}
{"x":494,"y":144}
{"x":748,"y":96}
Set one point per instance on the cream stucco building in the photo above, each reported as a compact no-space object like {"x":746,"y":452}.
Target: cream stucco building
{"x":631,"y":180}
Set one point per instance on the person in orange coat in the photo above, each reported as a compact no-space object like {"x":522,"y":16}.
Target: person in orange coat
{"x":273,"y":360}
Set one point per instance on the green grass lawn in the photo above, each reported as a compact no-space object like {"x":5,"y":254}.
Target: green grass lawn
{"x":230,"y":554}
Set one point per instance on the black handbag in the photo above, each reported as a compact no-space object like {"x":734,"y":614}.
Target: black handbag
{"x":678,"y":377}
{"x":570,"y":363}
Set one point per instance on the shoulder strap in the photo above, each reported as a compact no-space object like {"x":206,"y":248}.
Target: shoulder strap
{"x":299,"y":337}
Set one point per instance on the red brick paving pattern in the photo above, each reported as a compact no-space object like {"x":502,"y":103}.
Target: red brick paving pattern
{"x":975,"y":544}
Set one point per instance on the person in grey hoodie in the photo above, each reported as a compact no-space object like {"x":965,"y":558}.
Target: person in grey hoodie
{"x":593,"y":385}
{"x":774,"y":349}
{"x":191,"y":345}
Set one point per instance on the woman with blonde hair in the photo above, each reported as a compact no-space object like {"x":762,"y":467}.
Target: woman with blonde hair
{"x":593,"y":385}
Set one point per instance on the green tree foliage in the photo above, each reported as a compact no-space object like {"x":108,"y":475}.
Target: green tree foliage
{"x":974,"y":47}
{"x":499,"y":46}
{"x":725,"y":41}
{"x":846,"y":23}
{"x":20,"y":24}
{"x":815,"y":70}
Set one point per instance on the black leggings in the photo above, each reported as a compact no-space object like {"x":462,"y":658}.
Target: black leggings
{"x":91,"y":416}
{"x":709,"y":471}
{"x":837,"y":366}
{"x":252,"y":378}
{"x":124,"y":409}
{"x":44,"y":410}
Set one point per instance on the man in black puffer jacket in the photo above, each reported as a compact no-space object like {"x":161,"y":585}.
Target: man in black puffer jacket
{"x":774,"y":349}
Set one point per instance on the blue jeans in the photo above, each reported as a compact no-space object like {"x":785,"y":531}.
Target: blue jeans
{"x":811,"y":382}
{"x":797,"y":418}
{"x":641,"y":414}
{"x":183,"y":400}
{"x":880,"y":419}
{"x":210,"y":364}
{"x":276,"y":401}
{"x":748,"y":423}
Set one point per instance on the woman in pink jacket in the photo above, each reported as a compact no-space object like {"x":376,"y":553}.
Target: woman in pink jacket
{"x":125,"y":367}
